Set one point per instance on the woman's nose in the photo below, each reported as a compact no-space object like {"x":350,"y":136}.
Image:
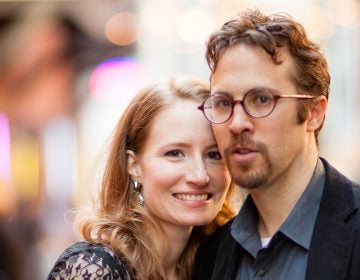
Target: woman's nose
{"x":197,"y":173}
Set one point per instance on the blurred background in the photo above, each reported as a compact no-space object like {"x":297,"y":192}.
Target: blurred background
{"x":68,"y":69}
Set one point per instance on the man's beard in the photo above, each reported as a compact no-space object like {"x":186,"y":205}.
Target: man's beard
{"x":246,"y":175}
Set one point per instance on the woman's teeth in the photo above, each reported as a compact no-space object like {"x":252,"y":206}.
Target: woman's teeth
{"x":191,"y":197}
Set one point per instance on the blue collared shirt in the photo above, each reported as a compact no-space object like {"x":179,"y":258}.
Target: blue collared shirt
{"x":286,"y":255}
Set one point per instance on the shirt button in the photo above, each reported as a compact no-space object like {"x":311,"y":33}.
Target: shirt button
{"x":261,"y":272}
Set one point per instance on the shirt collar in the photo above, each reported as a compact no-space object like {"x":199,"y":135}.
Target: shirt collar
{"x":244,"y":228}
{"x":300,"y":223}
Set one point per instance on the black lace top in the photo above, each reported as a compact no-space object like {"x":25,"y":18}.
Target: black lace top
{"x":88,"y":261}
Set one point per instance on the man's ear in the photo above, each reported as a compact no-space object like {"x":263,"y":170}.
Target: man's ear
{"x":133,"y":166}
{"x":317,"y":113}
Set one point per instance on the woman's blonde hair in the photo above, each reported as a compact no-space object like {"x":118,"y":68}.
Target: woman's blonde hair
{"x":119,"y":222}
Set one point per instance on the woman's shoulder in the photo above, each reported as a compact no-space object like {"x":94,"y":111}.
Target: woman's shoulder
{"x":84,"y":260}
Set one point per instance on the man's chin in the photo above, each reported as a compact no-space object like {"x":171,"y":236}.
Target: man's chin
{"x":250,"y":179}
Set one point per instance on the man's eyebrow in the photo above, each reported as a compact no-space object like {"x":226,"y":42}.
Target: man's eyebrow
{"x":261,"y":89}
{"x":219,"y":92}
{"x":254,"y":89}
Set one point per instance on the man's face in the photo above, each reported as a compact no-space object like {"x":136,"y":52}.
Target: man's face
{"x":259,"y":151}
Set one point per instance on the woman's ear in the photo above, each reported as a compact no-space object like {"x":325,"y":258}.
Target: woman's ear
{"x":133,"y":166}
{"x":317,"y":113}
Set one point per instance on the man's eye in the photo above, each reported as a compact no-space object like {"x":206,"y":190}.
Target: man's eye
{"x":257,"y":99}
{"x":174,"y":153}
{"x":215,"y":155}
{"x":263,"y":99}
{"x":221,"y":103}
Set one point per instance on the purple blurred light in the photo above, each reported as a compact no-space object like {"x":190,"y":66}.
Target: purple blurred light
{"x":4,"y":147}
{"x":117,"y":80}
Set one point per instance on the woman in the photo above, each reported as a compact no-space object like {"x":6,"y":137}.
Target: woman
{"x":165,"y":187}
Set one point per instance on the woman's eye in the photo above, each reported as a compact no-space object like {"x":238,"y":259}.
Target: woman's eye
{"x":215,"y":155}
{"x":174,"y":153}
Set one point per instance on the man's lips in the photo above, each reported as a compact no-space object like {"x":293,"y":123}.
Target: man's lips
{"x":243,"y":155}
{"x":242,"y":150}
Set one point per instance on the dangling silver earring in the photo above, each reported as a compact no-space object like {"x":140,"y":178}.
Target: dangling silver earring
{"x":137,"y":187}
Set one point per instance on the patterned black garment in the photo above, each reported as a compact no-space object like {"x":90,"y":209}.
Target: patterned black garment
{"x":87,"y":261}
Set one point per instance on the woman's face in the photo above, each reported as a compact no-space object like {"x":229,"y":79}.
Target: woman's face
{"x":183,"y":177}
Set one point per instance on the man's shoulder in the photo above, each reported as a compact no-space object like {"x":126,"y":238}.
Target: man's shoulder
{"x":341,"y":195}
{"x":218,"y":235}
{"x":208,"y":250}
{"x":335,"y":176}
{"x":210,"y":246}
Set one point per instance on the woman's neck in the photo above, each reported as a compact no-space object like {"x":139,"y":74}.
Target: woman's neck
{"x":176,"y":239}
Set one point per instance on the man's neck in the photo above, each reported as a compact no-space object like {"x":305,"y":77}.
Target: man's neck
{"x":275,"y":201}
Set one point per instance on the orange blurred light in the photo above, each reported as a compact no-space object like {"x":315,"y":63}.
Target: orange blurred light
{"x":121,"y":29}
{"x":194,"y":25}
{"x":345,"y":12}
{"x":25,"y":165}
{"x":315,"y":21}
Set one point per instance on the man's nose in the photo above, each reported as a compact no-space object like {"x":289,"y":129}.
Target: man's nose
{"x":240,"y":120}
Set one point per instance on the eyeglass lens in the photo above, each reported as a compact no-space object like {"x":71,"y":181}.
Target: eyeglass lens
{"x":219,"y":108}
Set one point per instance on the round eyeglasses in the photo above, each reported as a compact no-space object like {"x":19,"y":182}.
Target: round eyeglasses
{"x":257,"y":104}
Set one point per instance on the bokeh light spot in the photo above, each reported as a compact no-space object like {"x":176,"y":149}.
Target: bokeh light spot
{"x":121,"y":29}
{"x":117,"y":80}
{"x":4,"y":148}
{"x":345,"y":12}
{"x":194,"y":26}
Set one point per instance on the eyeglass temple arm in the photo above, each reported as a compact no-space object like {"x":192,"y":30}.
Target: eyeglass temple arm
{"x":295,"y":96}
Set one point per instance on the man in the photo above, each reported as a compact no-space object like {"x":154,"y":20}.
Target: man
{"x":301,"y":219}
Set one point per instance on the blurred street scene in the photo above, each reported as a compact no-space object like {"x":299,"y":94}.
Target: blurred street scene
{"x":68,"y":69}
